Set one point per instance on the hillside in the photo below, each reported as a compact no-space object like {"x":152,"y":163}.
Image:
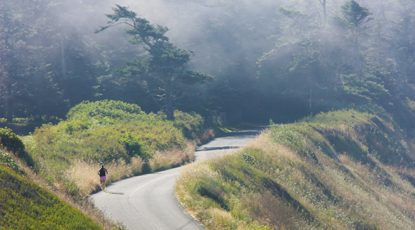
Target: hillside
{"x":337,"y":170}
{"x":26,"y":205}
{"x":126,"y":139}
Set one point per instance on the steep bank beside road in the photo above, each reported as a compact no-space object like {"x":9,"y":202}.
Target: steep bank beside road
{"x":26,"y":205}
{"x":339,"y":170}
{"x":149,"y":202}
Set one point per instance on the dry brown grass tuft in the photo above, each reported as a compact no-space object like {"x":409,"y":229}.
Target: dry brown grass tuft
{"x":223,"y":219}
{"x":271,"y":210}
{"x":389,"y":204}
{"x":197,"y":171}
{"x":172,"y":158}
{"x":84,"y":175}
{"x":207,"y":135}
{"x":264,"y":143}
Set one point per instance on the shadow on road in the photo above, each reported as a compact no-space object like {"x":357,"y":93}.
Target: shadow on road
{"x":252,"y":132}
{"x":217,"y":148}
{"x":115,"y":193}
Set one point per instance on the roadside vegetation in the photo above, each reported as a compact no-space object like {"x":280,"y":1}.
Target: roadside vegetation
{"x":337,"y":170}
{"x":251,"y":61}
{"x":24,"y":204}
{"x":64,"y":159}
{"x":126,"y":139}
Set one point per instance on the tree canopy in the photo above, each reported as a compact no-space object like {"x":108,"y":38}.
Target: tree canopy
{"x":269,"y":59}
{"x":165,"y":70}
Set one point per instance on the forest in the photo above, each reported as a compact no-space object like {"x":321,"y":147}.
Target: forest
{"x":247,"y":60}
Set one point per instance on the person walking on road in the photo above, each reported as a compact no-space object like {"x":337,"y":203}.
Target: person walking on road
{"x":102,"y":175}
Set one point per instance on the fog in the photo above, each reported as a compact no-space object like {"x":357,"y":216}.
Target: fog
{"x":219,"y":32}
{"x":266,"y":57}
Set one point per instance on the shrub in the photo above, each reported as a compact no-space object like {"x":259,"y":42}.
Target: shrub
{"x":113,"y":109}
{"x":8,"y":161}
{"x":10,"y":141}
{"x":190,"y":124}
{"x":106,"y":131}
{"x":134,"y":147}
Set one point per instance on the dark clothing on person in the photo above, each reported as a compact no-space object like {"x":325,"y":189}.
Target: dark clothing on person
{"x":103,"y":171}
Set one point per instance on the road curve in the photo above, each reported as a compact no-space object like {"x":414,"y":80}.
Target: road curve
{"x":148,"y":201}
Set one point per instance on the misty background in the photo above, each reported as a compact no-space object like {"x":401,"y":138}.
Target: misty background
{"x":279,"y":60}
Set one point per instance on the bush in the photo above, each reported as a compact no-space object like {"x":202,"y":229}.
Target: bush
{"x":10,"y":141}
{"x":190,"y":124}
{"x":111,"y":109}
{"x":107,"y":131}
{"x":25,"y":126}
{"x":7,"y":160}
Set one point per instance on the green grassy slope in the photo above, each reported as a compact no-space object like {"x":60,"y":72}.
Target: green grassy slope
{"x":25,"y":205}
{"x":338,"y":170}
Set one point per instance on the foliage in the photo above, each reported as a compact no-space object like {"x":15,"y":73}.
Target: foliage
{"x":8,"y":161}
{"x":275,"y":60}
{"x":112,"y":132}
{"x":190,"y":124}
{"x":105,"y":109}
{"x":25,"y":126}
{"x":25,"y":205}
{"x":10,"y":141}
{"x":352,"y":15}
{"x":336,"y":170}
{"x":166,"y":69}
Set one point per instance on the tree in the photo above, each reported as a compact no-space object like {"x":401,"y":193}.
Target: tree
{"x":13,"y":52}
{"x":27,"y":87}
{"x":324,"y":5}
{"x":165,"y":70}
{"x":353,"y":17}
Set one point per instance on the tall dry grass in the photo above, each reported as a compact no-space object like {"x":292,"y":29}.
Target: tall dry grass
{"x":341,"y":184}
{"x":171,"y":158}
{"x":207,"y":135}
{"x":265,"y":144}
{"x":84,"y":174}
{"x":209,"y":214}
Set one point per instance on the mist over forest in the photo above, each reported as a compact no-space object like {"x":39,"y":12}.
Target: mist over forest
{"x":279,"y":60}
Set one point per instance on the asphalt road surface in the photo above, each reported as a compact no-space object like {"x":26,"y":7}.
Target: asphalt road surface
{"x":148,"y":202}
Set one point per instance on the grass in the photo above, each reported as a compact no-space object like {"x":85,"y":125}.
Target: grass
{"x":11,"y":190}
{"x":84,"y":174}
{"x":25,"y":205}
{"x":64,"y":158}
{"x":8,"y":160}
{"x":337,"y":170}
{"x":129,"y":141}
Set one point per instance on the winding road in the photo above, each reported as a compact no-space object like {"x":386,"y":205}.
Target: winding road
{"x":148,"y":201}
